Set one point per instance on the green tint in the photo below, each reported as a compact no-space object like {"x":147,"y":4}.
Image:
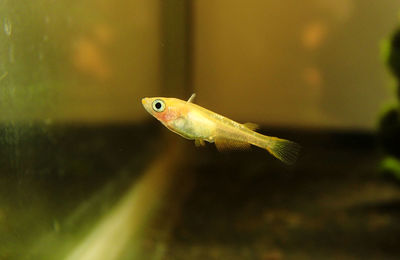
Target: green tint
{"x":65,"y":65}
{"x":67,"y":61}
{"x":391,"y":165}
{"x":385,"y":49}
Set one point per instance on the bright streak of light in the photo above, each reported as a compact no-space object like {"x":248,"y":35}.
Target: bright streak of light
{"x":126,"y":221}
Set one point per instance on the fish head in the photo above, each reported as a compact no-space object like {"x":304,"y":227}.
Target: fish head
{"x":166,"y":110}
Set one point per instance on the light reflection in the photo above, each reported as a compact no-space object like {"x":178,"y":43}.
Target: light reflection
{"x":126,"y":223}
{"x":104,"y":34}
{"x":313,"y":77}
{"x":314,"y":35}
{"x":88,"y":57}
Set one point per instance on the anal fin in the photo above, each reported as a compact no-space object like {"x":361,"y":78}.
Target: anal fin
{"x":224,"y":144}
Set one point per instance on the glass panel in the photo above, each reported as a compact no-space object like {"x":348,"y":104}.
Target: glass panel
{"x":87,"y":173}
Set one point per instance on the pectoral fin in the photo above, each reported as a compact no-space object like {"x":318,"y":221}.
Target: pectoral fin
{"x":224,"y":144}
{"x":199,"y":142}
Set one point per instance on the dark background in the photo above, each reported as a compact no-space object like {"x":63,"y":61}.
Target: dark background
{"x":86,"y":173}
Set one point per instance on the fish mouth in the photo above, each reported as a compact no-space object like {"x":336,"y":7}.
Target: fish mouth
{"x":146,"y":104}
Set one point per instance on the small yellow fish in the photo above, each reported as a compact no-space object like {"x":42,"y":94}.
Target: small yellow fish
{"x":194,"y":122}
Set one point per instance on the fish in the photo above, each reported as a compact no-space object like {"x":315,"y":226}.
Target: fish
{"x":197,"y":123}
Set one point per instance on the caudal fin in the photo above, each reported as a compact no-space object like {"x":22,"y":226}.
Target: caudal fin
{"x":285,"y":150}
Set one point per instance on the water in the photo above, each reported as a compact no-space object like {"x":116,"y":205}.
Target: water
{"x":86,"y":173}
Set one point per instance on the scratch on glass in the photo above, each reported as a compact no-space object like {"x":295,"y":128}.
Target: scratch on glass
{"x":4,"y":75}
{"x":7,"y":26}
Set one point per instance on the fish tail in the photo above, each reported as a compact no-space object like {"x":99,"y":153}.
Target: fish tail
{"x":285,"y":150}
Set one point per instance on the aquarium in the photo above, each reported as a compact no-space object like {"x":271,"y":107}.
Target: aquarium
{"x":87,"y":173}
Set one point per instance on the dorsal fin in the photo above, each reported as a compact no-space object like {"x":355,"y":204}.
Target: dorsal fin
{"x":251,"y":126}
{"x":190,"y":100}
{"x":224,"y":144}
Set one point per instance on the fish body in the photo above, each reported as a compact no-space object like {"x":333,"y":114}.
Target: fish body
{"x":196,"y":123}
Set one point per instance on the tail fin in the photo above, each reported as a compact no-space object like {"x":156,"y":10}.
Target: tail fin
{"x":285,"y":150}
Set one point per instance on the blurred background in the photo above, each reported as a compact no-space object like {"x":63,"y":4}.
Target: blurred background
{"x":87,"y":173}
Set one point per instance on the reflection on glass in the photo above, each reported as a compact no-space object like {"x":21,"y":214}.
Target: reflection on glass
{"x":86,"y":173}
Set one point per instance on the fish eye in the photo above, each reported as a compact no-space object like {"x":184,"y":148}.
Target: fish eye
{"x":158,"y":105}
